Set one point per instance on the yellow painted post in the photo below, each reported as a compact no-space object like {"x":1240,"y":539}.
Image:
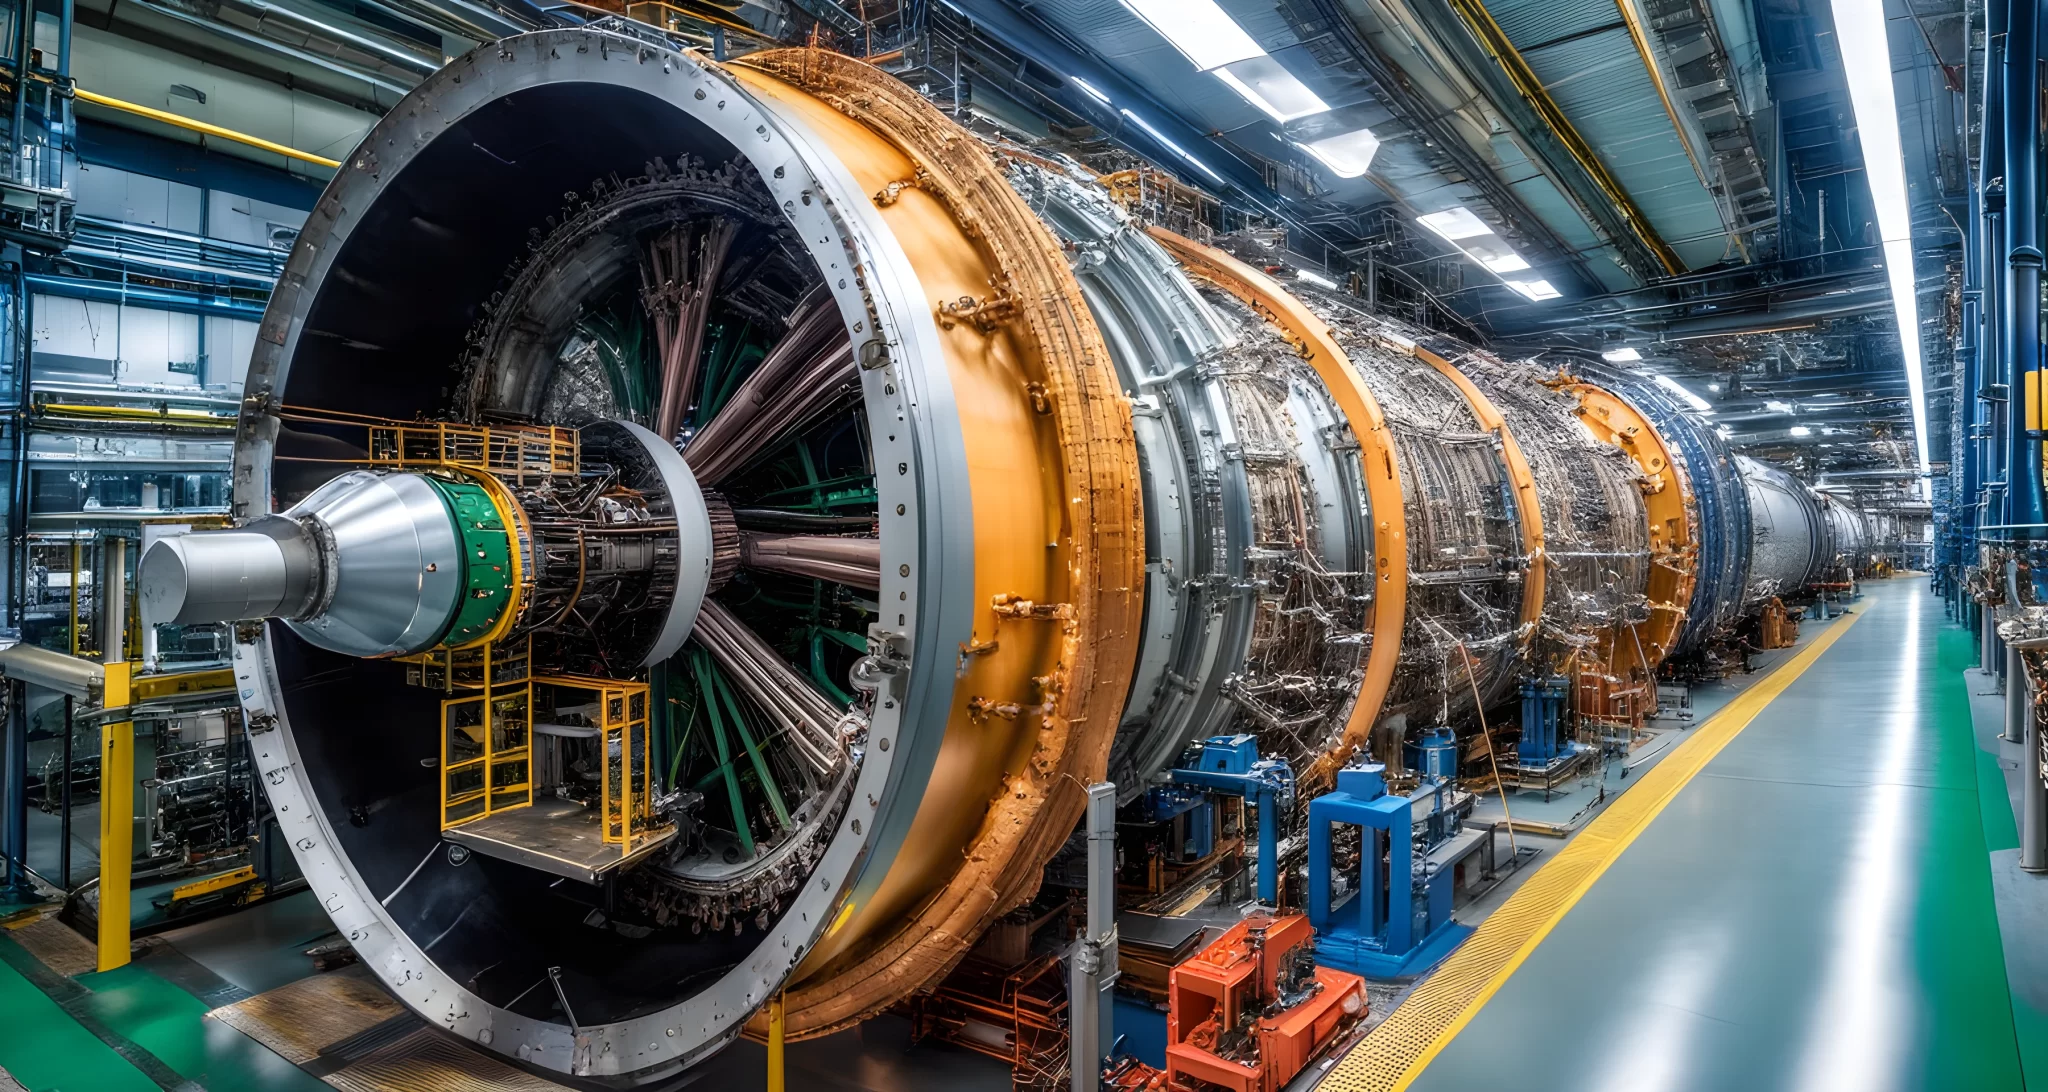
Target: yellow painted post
{"x":117,"y":821}
{"x":775,"y":1044}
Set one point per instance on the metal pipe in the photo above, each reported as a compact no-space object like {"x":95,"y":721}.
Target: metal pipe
{"x":856,"y":562}
{"x":64,"y":791}
{"x":2024,"y":499}
{"x":1992,"y":306}
{"x":1988,"y":645}
{"x":24,"y":36}
{"x":182,"y":122}
{"x":114,"y":601}
{"x":1092,"y":972}
{"x":2017,"y":698}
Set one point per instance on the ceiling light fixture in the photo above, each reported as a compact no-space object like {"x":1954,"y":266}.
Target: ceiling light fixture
{"x":1463,"y":229}
{"x":1212,"y":41}
{"x":1780,"y":407}
{"x":1271,"y":88}
{"x":1348,"y":155}
{"x":1314,"y":278}
{"x":1622,"y":355}
{"x":1455,"y":224}
{"x":1801,"y":430}
{"x":1093,"y":91}
{"x":1861,"y":36}
{"x":1679,"y":389}
{"x":1199,"y":29}
{"x":1171,"y":146}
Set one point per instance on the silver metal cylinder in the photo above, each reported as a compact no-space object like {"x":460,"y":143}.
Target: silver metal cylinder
{"x":1987,"y":642}
{"x":212,"y":576}
{"x":114,"y":603}
{"x":2015,"y":696}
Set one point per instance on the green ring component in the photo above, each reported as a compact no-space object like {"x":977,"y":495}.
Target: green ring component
{"x":486,"y":560}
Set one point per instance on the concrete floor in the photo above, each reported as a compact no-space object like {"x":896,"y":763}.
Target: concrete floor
{"x":1815,"y":910}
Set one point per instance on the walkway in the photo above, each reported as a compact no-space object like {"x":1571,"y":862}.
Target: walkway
{"x":1805,"y":904}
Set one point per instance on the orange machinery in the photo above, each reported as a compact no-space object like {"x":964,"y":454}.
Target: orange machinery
{"x":1252,"y":1009}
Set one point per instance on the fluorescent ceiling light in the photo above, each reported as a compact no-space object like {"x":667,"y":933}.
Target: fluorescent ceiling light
{"x":1348,"y":155}
{"x":1724,"y":432}
{"x":1271,"y":88}
{"x":1314,"y":278}
{"x":1463,"y":229}
{"x":1455,"y":224}
{"x":1679,"y":389}
{"x":1199,"y":29}
{"x":1860,"y":34}
{"x":1715,"y":387}
{"x":1171,"y":146}
{"x":1093,"y":91}
{"x":1780,"y":407}
{"x":1622,"y":356}
{"x":1801,"y":430}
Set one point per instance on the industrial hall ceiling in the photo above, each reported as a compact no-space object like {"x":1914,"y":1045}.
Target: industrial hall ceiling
{"x":1682,"y":178}
{"x":1678,"y":185}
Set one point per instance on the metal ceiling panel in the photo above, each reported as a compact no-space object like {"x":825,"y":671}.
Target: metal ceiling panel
{"x":1599,"y":81}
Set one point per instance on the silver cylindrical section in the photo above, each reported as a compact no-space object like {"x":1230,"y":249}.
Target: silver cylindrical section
{"x":393,"y":560}
{"x":1987,"y":643}
{"x":2033,"y":790}
{"x":214,"y":576}
{"x":114,"y":602}
{"x":2017,"y":697}
{"x":1787,"y":531}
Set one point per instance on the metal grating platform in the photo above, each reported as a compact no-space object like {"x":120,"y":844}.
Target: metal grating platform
{"x":301,"y":1020}
{"x":56,"y":945}
{"x":428,"y":1061}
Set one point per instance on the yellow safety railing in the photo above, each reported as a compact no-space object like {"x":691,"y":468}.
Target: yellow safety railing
{"x":519,"y":454}
{"x":627,"y":784}
{"x":486,"y":733}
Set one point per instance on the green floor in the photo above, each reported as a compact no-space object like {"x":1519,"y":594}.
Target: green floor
{"x":144,"y":1026}
{"x":1814,"y":911}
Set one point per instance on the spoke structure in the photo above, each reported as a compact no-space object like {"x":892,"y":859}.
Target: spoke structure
{"x":810,"y":370}
{"x":848,"y":560}
{"x":807,"y":718}
{"x":678,"y":281}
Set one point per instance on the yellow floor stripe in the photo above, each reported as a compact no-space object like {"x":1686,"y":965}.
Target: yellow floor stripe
{"x":1396,"y":1053}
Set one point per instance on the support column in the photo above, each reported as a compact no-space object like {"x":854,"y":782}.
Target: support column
{"x":117,"y":764}
{"x":2016,"y":696}
{"x":17,"y":887}
{"x":1092,"y":972}
{"x":2033,"y":791}
{"x":2024,"y":501}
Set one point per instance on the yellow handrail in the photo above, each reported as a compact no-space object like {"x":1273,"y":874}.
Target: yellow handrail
{"x":183,"y":122}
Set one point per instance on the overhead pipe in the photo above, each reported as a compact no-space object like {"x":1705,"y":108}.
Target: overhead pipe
{"x":324,"y":46}
{"x":191,"y":125}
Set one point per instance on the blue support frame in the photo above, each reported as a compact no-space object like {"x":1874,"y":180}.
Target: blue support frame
{"x":1230,"y":765}
{"x":1378,"y":930}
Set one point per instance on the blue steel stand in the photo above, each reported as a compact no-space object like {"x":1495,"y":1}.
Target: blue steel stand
{"x":1379,"y":930}
{"x":1231,"y":765}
